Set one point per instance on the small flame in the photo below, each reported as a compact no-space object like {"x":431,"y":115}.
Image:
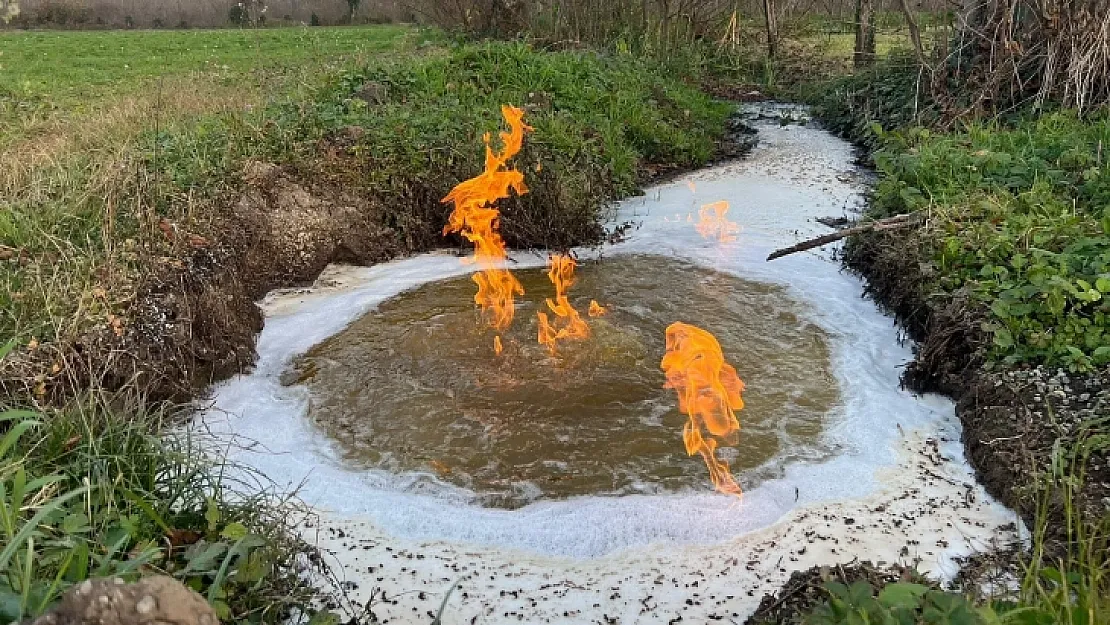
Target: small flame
{"x":476,"y":218}
{"x":712,"y":223}
{"x":596,"y":310}
{"x":708,"y":393}
{"x":571,"y":325}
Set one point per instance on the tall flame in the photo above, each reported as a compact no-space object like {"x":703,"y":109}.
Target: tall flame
{"x":708,"y":393}
{"x":712,"y":223}
{"x":567,"y":324}
{"x":476,"y":218}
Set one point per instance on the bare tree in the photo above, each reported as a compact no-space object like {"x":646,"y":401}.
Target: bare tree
{"x":770,"y":18}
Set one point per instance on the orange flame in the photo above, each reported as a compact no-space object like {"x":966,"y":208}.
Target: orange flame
{"x":596,"y":310}
{"x":476,"y":218}
{"x":713,"y":223}
{"x":572,"y":325}
{"x":708,"y":392}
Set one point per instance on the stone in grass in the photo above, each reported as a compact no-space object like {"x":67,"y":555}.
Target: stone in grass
{"x":150,"y":601}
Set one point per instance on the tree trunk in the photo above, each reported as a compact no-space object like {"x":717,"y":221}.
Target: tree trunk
{"x":771,"y":19}
{"x":915,"y":33}
{"x":865,"y":33}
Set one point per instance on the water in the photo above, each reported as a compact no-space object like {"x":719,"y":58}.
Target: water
{"x":876,"y":471}
{"x":415,"y":385}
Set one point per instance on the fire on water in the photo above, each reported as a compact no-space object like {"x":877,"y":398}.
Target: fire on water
{"x":708,"y":393}
{"x":477,"y":219}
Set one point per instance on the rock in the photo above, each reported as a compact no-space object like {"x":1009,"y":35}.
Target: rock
{"x":150,"y":601}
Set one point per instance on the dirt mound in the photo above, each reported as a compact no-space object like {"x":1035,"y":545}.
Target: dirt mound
{"x":150,"y":601}
{"x":193,"y":319}
{"x":804,"y":591}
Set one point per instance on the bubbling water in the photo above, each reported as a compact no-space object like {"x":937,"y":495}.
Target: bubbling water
{"x":411,"y":386}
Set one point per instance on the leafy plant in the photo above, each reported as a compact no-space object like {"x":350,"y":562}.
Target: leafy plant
{"x":1019,"y":220}
{"x":93,"y":495}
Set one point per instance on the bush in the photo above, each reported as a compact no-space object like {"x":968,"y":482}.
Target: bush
{"x":886,"y":93}
{"x":1020,"y":219}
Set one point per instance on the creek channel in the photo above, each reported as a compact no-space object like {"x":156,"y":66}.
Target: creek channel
{"x":556,"y":486}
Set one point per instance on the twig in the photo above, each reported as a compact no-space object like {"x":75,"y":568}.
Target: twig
{"x":890,"y":223}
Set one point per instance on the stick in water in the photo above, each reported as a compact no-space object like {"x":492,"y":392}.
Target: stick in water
{"x":890,"y":223}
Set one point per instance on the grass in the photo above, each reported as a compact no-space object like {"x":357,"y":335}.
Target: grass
{"x":82,"y":231}
{"x":76,"y":106}
{"x":48,"y":74}
{"x":91,"y":491}
{"x":1017,"y":215}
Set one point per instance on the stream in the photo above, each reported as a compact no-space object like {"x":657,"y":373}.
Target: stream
{"x":556,"y":486}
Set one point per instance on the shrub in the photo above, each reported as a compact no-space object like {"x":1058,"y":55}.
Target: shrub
{"x":598,"y":120}
{"x":1020,"y":219}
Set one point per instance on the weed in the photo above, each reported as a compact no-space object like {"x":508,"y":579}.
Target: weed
{"x":87,"y":493}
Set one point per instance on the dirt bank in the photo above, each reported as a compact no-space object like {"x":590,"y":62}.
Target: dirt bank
{"x":1014,"y":419}
{"x":193,"y":318}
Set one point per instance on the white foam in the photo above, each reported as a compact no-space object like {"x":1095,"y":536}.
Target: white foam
{"x":795,"y":174}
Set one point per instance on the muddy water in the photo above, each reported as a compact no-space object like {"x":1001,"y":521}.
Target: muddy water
{"x":415,"y":385}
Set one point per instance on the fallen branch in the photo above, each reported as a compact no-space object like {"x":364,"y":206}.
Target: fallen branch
{"x":890,"y":223}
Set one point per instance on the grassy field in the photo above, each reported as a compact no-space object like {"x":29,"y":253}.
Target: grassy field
{"x":47,"y":74}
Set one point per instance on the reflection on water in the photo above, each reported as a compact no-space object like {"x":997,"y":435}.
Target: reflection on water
{"x":415,"y":386}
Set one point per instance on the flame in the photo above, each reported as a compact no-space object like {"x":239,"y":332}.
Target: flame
{"x":708,"y":392}
{"x":596,"y":310}
{"x":476,"y":218}
{"x":571,"y":324}
{"x":713,"y":223}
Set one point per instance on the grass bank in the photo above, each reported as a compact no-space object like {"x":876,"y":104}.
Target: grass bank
{"x":124,"y":263}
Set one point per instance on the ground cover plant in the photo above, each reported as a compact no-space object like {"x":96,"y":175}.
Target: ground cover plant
{"x":1003,"y":282}
{"x":86,"y":492}
{"x":1019,"y":218}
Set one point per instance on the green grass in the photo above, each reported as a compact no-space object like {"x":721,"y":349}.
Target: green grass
{"x":47,"y":73}
{"x":598,"y":120}
{"x":92,"y":491}
{"x":74,"y":108}
{"x":1018,"y":217}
